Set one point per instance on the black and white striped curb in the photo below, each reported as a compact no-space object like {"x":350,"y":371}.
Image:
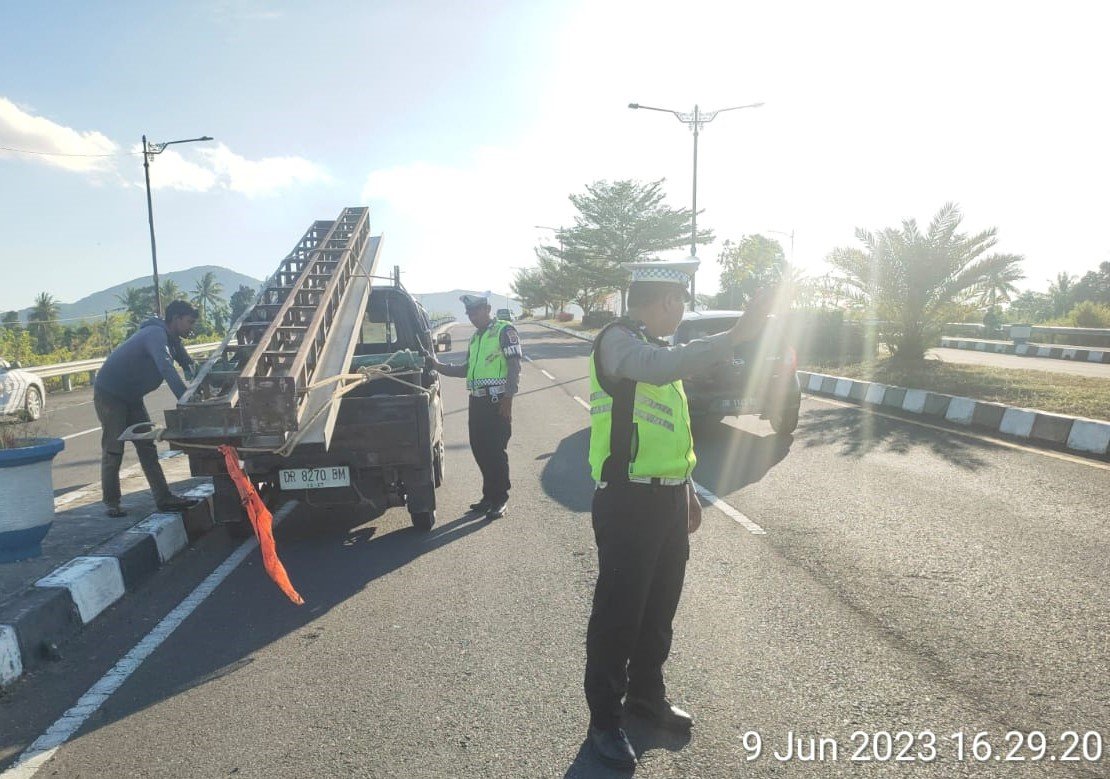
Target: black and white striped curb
{"x":1073,"y":353}
{"x":1088,"y":436}
{"x":58,"y":605}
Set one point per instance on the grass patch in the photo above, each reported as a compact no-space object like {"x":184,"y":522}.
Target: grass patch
{"x":1060,"y":393}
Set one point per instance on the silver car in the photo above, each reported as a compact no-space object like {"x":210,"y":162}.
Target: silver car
{"x":22,"y":393}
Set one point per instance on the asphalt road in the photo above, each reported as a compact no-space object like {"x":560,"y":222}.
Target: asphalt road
{"x":990,"y":359}
{"x":909,"y":579}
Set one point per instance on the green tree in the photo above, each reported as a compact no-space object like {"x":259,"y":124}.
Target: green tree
{"x":618,"y":222}
{"x":1062,"y":293}
{"x":528,"y":287}
{"x":169,"y":291}
{"x":241,"y":300}
{"x":913,"y":281}
{"x":11,"y":321}
{"x":207,"y":295}
{"x":1029,"y":308}
{"x":753,"y":262}
{"x":1094,"y":286}
{"x":42,"y":323}
{"x":139,"y":303}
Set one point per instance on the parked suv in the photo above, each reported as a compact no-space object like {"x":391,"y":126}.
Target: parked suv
{"x":761,"y":379}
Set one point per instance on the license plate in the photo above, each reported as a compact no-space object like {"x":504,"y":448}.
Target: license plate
{"x":315,"y":478}
{"x":736,"y":404}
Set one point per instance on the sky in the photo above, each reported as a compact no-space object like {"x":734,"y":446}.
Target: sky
{"x":464,"y":125}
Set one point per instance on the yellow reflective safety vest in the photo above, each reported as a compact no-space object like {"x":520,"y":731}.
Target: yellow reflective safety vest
{"x":486,"y":367}
{"x":638,"y":431}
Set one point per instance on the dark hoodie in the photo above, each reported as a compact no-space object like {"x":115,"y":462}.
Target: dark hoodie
{"x":140,"y":364}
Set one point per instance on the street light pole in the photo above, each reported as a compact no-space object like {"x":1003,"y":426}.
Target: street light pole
{"x":695,"y":121}
{"x":149,"y":150}
{"x":558,"y":234}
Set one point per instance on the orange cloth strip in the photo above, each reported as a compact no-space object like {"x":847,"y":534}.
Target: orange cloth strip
{"x":262,"y":522}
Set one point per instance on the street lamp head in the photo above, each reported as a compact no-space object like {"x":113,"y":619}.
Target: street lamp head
{"x":633,"y":105}
{"x":206,"y":138}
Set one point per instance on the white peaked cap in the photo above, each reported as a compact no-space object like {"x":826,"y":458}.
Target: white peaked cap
{"x":673,"y":271}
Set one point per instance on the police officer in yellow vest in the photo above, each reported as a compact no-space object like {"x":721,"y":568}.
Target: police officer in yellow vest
{"x":644,"y":507}
{"x":492,"y":372}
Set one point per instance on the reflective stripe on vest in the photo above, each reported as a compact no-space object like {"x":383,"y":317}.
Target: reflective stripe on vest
{"x":658,"y":434}
{"x":486,"y":366}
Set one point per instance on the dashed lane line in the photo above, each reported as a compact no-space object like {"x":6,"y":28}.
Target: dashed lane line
{"x":711,"y":498}
{"x":548,"y":375}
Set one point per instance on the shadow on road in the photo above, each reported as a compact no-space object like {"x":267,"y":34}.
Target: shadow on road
{"x":857,"y":433}
{"x":644,"y":738}
{"x":329,"y":562}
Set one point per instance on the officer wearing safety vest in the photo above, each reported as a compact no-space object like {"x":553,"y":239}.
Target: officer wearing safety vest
{"x":644,"y":506}
{"x":492,"y":372}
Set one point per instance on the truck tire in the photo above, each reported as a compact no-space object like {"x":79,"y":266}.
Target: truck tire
{"x":227,"y":509}
{"x":423,"y":520}
{"x":785,"y":421}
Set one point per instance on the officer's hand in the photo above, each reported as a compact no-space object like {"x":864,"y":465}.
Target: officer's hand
{"x":749,"y":326}
{"x":505,"y":407}
{"x":693,"y":520}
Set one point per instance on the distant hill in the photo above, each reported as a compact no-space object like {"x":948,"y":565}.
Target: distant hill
{"x":94,"y":305}
{"x":449,"y":303}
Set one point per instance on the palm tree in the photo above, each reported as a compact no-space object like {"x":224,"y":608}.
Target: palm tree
{"x":42,"y":322}
{"x":169,"y":290}
{"x":999,"y":287}
{"x":912,"y":281}
{"x":207,"y":294}
{"x":139,"y":302}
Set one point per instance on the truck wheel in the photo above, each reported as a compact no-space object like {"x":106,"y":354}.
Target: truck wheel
{"x":786,"y":421}
{"x":423,"y":520}
{"x":227,"y":509}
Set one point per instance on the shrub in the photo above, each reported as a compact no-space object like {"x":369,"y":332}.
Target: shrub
{"x":563,"y":316}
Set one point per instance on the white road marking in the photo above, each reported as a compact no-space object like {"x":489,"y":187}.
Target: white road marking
{"x":83,"y":432}
{"x":729,"y":511}
{"x":46,"y":745}
{"x":548,"y":375}
{"x":529,"y":359}
{"x":710,"y":497}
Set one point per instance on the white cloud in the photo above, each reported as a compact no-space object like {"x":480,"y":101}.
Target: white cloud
{"x":64,"y":145}
{"x":261,"y":177}
{"x":185,"y":168}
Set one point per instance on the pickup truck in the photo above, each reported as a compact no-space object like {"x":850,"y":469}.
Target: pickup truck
{"x":387,"y":446}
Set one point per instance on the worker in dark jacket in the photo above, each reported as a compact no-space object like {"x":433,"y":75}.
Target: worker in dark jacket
{"x":136,"y":368}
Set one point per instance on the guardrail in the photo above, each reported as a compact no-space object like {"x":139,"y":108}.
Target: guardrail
{"x":66,"y":370}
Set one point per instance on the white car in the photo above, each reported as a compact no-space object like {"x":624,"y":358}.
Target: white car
{"x":22,"y":393}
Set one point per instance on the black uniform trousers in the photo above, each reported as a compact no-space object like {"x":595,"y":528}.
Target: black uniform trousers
{"x":489,"y":439}
{"x":642,"y":548}
{"x":116,"y":415}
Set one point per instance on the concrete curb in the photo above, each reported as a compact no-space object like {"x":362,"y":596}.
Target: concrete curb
{"x":564,"y":331}
{"x":1086,"y":436}
{"x":1072,"y":353}
{"x":61,"y":603}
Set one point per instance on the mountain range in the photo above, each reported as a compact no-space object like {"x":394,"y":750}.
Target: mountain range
{"x":93,"y":306}
{"x":448,"y":302}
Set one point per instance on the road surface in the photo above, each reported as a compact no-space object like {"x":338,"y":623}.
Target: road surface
{"x":907,"y":580}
